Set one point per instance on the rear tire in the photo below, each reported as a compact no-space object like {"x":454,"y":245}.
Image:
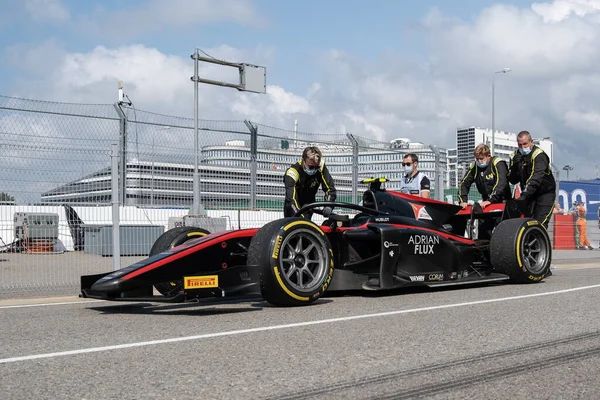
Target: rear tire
{"x":521,"y":248}
{"x":168,"y":240}
{"x":295,"y":260}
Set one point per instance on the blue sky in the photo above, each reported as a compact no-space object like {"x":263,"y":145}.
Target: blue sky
{"x":381,"y":69}
{"x":298,"y":31}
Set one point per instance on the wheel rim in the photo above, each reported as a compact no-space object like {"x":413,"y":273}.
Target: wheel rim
{"x":303,"y":260}
{"x":534,"y":251}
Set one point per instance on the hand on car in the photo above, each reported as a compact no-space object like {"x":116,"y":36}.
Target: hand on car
{"x":486,"y":203}
{"x":464,"y":205}
{"x":523,"y":197}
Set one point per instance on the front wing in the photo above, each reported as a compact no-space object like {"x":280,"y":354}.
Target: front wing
{"x":209,"y":266}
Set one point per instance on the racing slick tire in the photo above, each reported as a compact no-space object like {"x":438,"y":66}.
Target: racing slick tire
{"x":521,"y":248}
{"x":168,"y":240}
{"x":295,"y":260}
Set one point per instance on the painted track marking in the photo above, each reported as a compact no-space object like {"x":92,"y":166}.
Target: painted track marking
{"x":49,"y":304}
{"x":285,"y":326}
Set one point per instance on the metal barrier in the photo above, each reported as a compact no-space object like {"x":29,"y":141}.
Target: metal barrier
{"x":569,"y":232}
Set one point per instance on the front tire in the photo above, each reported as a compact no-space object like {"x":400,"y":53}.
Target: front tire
{"x":295,"y":260}
{"x":168,"y":240}
{"x":521,"y":248}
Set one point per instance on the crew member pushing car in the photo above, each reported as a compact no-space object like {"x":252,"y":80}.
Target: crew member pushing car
{"x":530,"y":167}
{"x":490,"y":175}
{"x":302,"y":181}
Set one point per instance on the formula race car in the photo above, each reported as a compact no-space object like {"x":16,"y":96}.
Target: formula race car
{"x":392,"y":240}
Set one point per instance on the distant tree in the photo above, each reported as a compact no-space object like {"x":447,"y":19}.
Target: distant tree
{"x":5,"y":197}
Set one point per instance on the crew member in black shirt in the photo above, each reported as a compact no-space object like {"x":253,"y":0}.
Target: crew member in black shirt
{"x":302,"y":181}
{"x":530,"y":167}
{"x":490,"y":175}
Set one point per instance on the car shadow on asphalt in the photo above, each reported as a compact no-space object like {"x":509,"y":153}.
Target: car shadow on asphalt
{"x":413,"y":290}
{"x":319,"y":302}
{"x":377,"y":293}
{"x":205,"y":307}
{"x":183,"y":309}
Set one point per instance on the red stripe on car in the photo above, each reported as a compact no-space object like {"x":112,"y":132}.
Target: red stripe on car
{"x":205,"y":241}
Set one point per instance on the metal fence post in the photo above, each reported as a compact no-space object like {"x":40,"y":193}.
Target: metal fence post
{"x":197,"y":193}
{"x":114,"y":157}
{"x":439,"y":177}
{"x":253,"y":128}
{"x":123,"y":144}
{"x":354,"y":167}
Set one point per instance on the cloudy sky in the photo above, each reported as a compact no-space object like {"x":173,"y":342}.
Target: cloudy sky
{"x":381,"y":69}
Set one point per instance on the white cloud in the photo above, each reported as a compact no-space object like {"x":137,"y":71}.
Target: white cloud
{"x":287,"y":103}
{"x":551,"y":47}
{"x":152,"y":79}
{"x":553,"y":51}
{"x":278,"y":107}
{"x":47,"y":10}
{"x":146,"y":72}
{"x":582,"y":120}
{"x":505,"y":34}
{"x":560,"y":10}
{"x":367,"y":126}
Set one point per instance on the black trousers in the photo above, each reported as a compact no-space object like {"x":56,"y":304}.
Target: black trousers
{"x":541,"y":208}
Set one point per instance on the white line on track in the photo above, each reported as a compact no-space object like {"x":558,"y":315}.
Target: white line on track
{"x":285,"y":326}
{"x":50,"y":304}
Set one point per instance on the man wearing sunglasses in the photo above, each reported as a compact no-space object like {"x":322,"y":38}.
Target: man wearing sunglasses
{"x":414,"y":181}
{"x":302,"y":181}
{"x":490,"y":175}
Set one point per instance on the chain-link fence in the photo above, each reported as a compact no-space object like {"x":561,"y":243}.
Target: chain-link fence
{"x":59,"y":165}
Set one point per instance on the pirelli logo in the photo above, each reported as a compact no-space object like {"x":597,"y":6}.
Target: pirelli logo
{"x":200,"y":282}
{"x":277,"y":247}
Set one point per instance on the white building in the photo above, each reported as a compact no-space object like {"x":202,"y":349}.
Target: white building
{"x":453,"y":176}
{"x":225,"y":173}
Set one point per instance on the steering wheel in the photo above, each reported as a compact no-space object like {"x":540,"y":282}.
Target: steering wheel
{"x":317,"y":209}
{"x":333,"y":216}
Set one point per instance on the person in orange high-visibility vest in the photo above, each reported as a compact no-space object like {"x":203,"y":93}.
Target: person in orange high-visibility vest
{"x":584,"y":243}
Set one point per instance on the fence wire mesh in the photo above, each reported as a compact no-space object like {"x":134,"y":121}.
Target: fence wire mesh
{"x":55,"y":190}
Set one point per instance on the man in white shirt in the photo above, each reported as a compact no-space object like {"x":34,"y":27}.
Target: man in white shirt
{"x":414,"y":181}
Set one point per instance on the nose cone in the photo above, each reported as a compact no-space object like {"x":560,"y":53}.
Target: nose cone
{"x":107,"y":285}
{"x":111,"y":282}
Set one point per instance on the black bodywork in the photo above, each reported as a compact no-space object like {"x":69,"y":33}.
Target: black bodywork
{"x":395,"y":240}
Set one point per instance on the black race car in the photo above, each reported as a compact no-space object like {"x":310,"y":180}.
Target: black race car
{"x":392,"y":240}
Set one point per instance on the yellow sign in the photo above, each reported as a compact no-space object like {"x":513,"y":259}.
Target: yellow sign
{"x":200,"y":282}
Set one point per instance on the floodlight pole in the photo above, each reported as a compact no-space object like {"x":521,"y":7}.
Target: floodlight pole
{"x":196,"y":206}
{"x":502,"y":71}
{"x":252,"y":79}
{"x":568,"y":168}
